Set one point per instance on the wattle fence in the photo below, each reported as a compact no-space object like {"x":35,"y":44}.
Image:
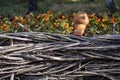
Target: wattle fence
{"x":50,"y":56}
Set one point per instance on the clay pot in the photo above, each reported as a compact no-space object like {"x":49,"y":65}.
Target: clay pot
{"x":79,"y":29}
{"x":81,"y":20}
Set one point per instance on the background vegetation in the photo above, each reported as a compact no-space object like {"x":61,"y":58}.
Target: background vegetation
{"x":20,"y":7}
{"x":57,"y":16}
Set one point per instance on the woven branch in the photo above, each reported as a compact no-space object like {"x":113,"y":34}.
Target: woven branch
{"x":58,"y":55}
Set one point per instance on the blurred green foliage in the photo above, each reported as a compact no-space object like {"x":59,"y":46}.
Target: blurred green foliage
{"x":66,"y":7}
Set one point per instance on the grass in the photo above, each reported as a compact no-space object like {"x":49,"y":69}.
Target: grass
{"x":66,"y":7}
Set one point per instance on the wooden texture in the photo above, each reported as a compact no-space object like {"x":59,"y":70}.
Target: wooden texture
{"x":55,"y":56}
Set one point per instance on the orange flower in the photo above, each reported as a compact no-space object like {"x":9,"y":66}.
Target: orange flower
{"x":112,"y":20}
{"x":5,"y":27}
{"x":48,"y":12}
{"x":16,"y":26}
{"x":63,"y":17}
{"x":54,"y":24}
{"x":96,"y":17}
{"x":103,"y":19}
{"x":45,"y":15}
{"x":71,"y":27}
{"x":38,"y":16}
{"x":102,"y":25}
{"x":113,"y":17}
{"x":1,"y":27}
{"x":98,"y":20}
{"x":23,"y":20}
{"x":58,"y":19}
{"x":47,"y":19}
{"x":65,"y":24}
{"x":16,"y":17}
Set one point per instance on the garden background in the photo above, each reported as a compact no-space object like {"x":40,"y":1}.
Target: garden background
{"x":56,"y":16}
